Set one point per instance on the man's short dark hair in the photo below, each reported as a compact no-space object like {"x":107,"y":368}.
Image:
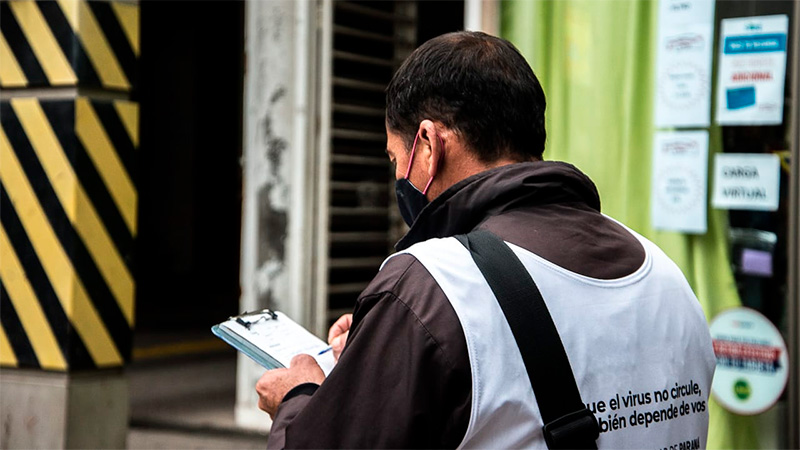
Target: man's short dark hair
{"x":477,"y":84}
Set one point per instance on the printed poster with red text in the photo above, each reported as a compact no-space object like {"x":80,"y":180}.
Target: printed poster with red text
{"x":752,"y":70}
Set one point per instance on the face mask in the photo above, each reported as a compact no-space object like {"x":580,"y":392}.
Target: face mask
{"x":410,"y":200}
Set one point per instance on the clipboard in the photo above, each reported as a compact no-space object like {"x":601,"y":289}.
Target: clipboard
{"x":272,"y":339}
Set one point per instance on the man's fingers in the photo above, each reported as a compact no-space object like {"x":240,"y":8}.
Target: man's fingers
{"x":337,"y":336}
{"x":302,"y":360}
{"x":262,"y":404}
{"x":263,"y":384}
{"x":274,"y":384}
{"x":306,"y":369}
{"x":342,"y":325}
{"x":337,"y":345}
{"x":265,"y":387}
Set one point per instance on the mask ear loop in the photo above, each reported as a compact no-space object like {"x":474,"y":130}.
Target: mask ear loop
{"x":441,"y":144}
{"x":411,"y":158}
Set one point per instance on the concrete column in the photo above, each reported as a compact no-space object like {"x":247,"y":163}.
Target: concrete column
{"x":279,"y":158}
{"x":57,"y":410}
{"x":69,"y":203}
{"x":482,"y":15}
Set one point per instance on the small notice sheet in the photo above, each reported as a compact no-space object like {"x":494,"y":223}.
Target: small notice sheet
{"x":752,"y":70}
{"x":679,"y":182}
{"x":747,"y":181}
{"x":683,"y":63}
{"x":272,"y":339}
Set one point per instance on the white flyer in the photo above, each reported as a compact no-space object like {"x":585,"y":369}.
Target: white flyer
{"x":272,"y":339}
{"x":683,"y":63}
{"x":747,"y":181}
{"x":680,"y":181}
{"x":752,"y":70}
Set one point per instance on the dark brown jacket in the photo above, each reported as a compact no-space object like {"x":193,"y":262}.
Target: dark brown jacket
{"x":403,"y":380}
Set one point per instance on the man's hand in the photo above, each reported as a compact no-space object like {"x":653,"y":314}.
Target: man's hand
{"x":276,"y":383}
{"x":337,"y":335}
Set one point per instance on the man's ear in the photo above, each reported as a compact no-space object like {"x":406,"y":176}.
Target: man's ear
{"x":434,"y":146}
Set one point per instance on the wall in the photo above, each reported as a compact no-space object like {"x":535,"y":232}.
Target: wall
{"x":276,"y":268}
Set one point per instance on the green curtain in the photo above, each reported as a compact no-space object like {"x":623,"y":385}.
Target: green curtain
{"x":596,"y":62}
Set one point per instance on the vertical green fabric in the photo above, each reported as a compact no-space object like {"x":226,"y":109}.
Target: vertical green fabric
{"x":596,"y":62}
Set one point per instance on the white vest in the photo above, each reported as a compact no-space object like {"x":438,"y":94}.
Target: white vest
{"x":639,"y":348}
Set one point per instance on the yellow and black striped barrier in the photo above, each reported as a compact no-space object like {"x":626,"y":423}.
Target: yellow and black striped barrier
{"x":68,"y":43}
{"x":68,"y":204}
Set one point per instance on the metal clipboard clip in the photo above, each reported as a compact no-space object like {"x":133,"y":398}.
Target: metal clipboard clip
{"x":266,"y":314}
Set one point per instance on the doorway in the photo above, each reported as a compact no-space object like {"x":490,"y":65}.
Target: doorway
{"x":190,"y":90}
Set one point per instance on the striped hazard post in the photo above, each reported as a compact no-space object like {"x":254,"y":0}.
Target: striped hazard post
{"x":68,"y":43}
{"x":68,"y":198}
{"x":68,"y":212}
{"x":69,"y":137}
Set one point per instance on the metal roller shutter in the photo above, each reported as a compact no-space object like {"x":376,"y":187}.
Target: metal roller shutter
{"x":369,"y":40}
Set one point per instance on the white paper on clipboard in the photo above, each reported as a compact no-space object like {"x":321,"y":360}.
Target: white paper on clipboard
{"x":272,"y":339}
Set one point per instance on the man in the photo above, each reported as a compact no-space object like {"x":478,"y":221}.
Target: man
{"x":430,"y":361}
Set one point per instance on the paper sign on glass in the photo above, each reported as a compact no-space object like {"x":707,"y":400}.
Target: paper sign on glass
{"x":683,"y":63}
{"x":752,"y":70}
{"x":747,"y":181}
{"x":680,"y":180}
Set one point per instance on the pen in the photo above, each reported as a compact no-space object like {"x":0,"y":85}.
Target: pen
{"x":325,"y":351}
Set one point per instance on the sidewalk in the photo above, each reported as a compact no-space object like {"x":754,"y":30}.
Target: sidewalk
{"x":187,"y":402}
{"x":146,"y":438}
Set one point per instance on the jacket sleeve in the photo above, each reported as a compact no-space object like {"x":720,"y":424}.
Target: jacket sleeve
{"x":395,"y":385}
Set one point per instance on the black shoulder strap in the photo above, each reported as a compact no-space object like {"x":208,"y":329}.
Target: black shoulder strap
{"x":568,"y":423}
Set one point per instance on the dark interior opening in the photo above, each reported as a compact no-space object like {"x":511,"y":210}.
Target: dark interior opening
{"x":436,"y":17}
{"x":190,"y":184}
